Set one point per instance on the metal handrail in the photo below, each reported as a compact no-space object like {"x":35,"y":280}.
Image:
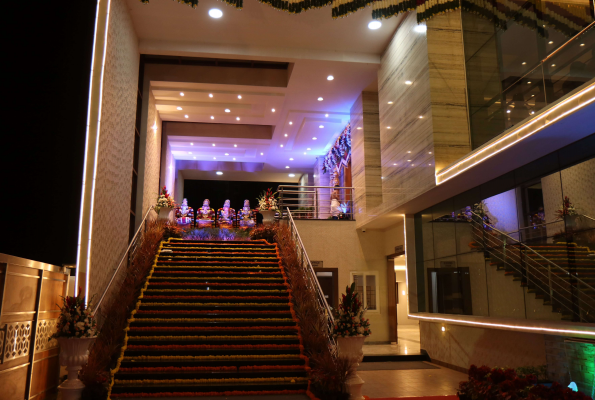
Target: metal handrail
{"x":132,"y":242}
{"x":310,"y":270}
{"x":311,"y":197}
{"x":533,"y":251}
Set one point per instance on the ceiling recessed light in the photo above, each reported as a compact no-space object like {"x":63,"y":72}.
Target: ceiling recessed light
{"x":262,"y":154}
{"x":308,"y":149}
{"x":582,"y":44}
{"x":212,"y":117}
{"x":528,"y":82}
{"x":234,"y":158}
{"x":186,"y":116}
{"x":408,"y":83}
{"x":214,"y":158}
{"x":285,"y":135}
{"x":532,"y":95}
{"x":359,"y":128}
{"x":194,"y":158}
{"x":219,"y":173}
{"x":191,"y":144}
{"x":390,"y":102}
{"x":226,"y":154}
{"x":430,"y":164}
{"x":524,"y":63}
{"x":507,"y":111}
{"x":314,"y":138}
{"x":291,"y":159}
{"x":321,"y":126}
{"x":420,"y":28}
{"x":210,"y":94}
{"x":189,"y":152}
{"x":237,"y":118}
{"x":240,"y":96}
{"x":409,"y":152}
{"x":421,"y":116}
{"x":179,"y":108}
{"x":291,"y":175}
{"x":413,"y":165}
{"x":305,"y":153}
{"x":532,"y":112}
{"x":429,"y":152}
{"x":330,"y":78}
{"x":272,"y":109}
{"x":290,"y":123}
{"x":213,"y":144}
{"x":326,"y":115}
{"x":408,"y":160}
{"x":320,"y":99}
{"x":551,"y":42}
{"x":553,"y":65}
{"x":388,"y":127}
{"x":280,"y":145}
{"x":235,"y":145}
{"x":227,"y":110}
{"x":182,"y":94}
{"x":395,"y":164}
{"x":374,"y":25}
{"x":215,"y":13}
{"x":287,"y":166}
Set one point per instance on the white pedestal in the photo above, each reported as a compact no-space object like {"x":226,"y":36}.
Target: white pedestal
{"x":74,"y":353}
{"x":352,"y":347}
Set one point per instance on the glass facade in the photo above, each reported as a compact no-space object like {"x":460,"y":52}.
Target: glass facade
{"x":519,"y":61}
{"x":520,"y":246}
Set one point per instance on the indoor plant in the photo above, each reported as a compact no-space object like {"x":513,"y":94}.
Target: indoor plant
{"x":267,"y":204}
{"x":77,"y":330}
{"x":350,"y":330}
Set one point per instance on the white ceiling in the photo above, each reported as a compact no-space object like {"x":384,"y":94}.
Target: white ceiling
{"x":315,"y":44}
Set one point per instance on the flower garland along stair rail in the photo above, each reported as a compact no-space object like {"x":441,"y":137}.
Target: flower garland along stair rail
{"x":214,"y":319}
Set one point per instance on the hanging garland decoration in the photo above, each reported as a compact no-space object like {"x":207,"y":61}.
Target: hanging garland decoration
{"x":339,"y":152}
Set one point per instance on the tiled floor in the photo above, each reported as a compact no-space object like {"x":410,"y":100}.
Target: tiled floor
{"x":417,"y":382}
{"x":408,"y":343}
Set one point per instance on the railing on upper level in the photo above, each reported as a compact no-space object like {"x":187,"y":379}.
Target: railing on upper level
{"x":561,"y":287}
{"x":119,"y":271}
{"x":317,"y":202}
{"x":310,"y":275}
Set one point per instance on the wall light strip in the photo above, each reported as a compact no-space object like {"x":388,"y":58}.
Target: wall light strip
{"x":513,"y":327}
{"x":586,"y":102}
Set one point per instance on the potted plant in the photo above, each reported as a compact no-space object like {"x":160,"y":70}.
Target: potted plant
{"x":77,"y":330}
{"x":165,"y":205}
{"x":350,"y":330}
{"x":267,"y":204}
{"x":568,"y":214}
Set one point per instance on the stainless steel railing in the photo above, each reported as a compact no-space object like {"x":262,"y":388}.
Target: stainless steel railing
{"x":126,"y":257}
{"x":310,"y":275}
{"x":316,"y":202}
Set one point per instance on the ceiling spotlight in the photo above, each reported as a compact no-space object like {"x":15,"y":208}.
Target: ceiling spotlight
{"x":524,"y":63}
{"x":390,"y":102}
{"x":305,"y":153}
{"x":374,"y":25}
{"x":408,"y":160}
{"x":194,"y":158}
{"x":326,"y":115}
{"x":186,"y":116}
{"x":219,"y":173}
{"x":226,"y":154}
{"x":582,"y":44}
{"x":262,"y":154}
{"x":528,"y":82}
{"x":182,"y":94}
{"x":237,"y":118}
{"x":213,"y":144}
{"x":308,"y":149}
{"x":287,"y":166}
{"x":421,"y":116}
{"x":408,"y":83}
{"x":212,"y":117}
{"x":240,"y":96}
{"x":413,"y":165}
{"x":235,"y":145}
{"x":272,"y":109}
{"x":507,"y":111}
{"x":330,"y":78}
{"x":234,"y":158}
{"x":214,"y":158}
{"x":215,"y":13}
{"x":191,"y":144}
{"x":285,"y":135}
{"x":553,"y":65}
{"x":189,"y":152}
{"x":532,"y":112}
{"x":210,"y":94}
{"x":227,"y":110}
{"x":409,"y":152}
{"x":388,"y":127}
{"x":321,"y":126}
{"x":291,"y":175}
{"x":179,"y":108}
{"x":551,"y":42}
{"x":320,"y":99}
{"x":290,"y":123}
{"x":314,"y":138}
{"x":420,"y":28}
{"x":429,"y":152}
{"x":280,"y":145}
{"x":395,"y":164}
{"x":359,"y":128}
{"x":291,"y":159}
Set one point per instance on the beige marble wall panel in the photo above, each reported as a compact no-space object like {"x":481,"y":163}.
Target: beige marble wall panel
{"x":152,"y":157}
{"x":111,"y":208}
{"x":463,"y":346}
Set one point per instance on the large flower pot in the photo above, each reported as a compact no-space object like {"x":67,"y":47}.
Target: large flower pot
{"x":74,"y":353}
{"x":166,"y":213}
{"x":351,"y":347}
{"x":268,"y":216}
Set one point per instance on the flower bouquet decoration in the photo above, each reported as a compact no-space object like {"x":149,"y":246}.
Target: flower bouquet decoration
{"x":76,"y":319}
{"x":164,"y":200}
{"x":349,"y":320}
{"x":267,"y":201}
{"x":567,"y":209}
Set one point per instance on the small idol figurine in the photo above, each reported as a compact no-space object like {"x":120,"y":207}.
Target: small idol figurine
{"x":184,"y":214}
{"x":204,"y":216}
{"x":226,"y":214}
{"x":246,"y":217}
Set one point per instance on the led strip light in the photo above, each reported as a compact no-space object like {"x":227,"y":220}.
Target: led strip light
{"x":444,"y":176}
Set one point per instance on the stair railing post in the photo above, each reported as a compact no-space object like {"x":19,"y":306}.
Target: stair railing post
{"x":316,"y":203}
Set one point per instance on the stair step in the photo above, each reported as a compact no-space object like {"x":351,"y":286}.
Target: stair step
{"x":148,"y":373}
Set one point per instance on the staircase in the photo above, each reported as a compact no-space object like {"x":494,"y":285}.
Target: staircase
{"x":214,"y":319}
{"x":560,"y":274}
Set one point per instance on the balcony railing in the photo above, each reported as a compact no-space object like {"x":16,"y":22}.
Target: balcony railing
{"x":317,"y":202}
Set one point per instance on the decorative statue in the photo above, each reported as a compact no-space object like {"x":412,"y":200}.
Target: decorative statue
{"x":205,"y":214}
{"x":184,"y":214}
{"x":246,"y":216}
{"x":226,"y":214}
{"x":335,"y":205}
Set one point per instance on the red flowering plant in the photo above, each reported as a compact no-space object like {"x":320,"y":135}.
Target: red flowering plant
{"x":164,"y":200}
{"x":349,"y":320}
{"x":76,"y":318}
{"x":487,"y":383}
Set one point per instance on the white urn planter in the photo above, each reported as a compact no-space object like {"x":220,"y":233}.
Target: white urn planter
{"x":268,"y":216}
{"x":352,"y":347}
{"x":74,"y":353}
{"x":166,"y":213}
